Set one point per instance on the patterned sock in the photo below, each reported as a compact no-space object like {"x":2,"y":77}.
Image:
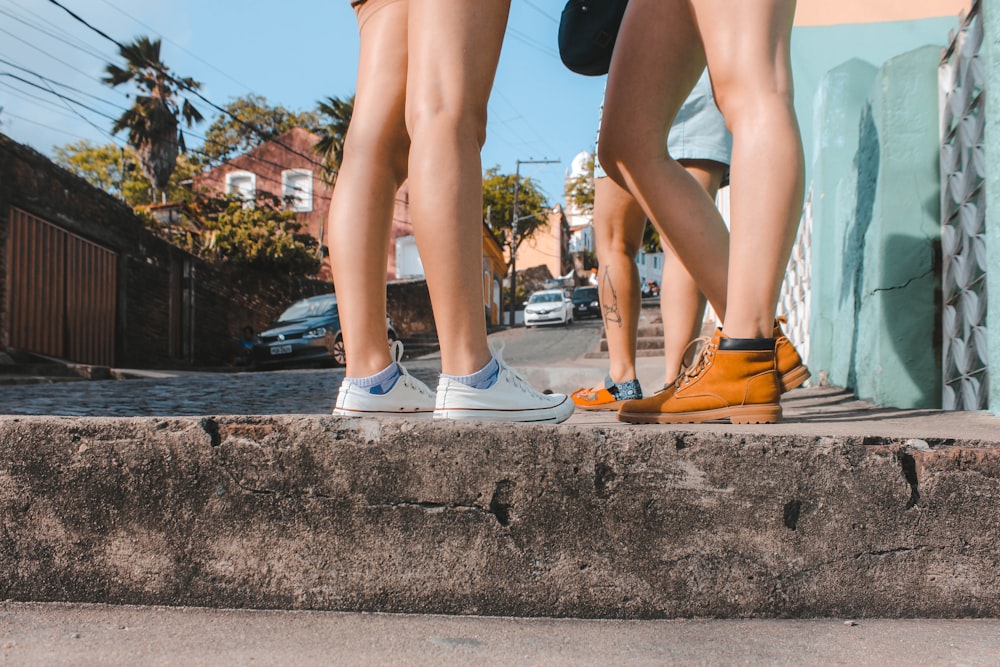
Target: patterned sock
{"x":623,"y":391}
{"x":380,"y":383}
{"x":484,"y":378}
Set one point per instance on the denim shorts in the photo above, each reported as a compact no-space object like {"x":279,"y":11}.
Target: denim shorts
{"x":699,"y":132}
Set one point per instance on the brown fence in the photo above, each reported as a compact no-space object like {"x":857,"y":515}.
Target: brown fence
{"x":63,"y":292}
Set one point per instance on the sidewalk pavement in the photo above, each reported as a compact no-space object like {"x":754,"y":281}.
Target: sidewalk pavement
{"x":65,"y":634}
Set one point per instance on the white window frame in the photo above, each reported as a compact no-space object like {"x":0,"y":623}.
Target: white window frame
{"x":248,"y":199}
{"x":303,"y":204}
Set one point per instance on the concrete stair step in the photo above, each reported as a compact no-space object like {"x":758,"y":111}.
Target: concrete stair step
{"x":583,"y":520}
{"x":603,"y":353}
{"x":655,"y":344}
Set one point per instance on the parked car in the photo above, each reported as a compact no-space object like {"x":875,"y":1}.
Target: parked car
{"x":650,"y":288}
{"x":308,"y":331}
{"x":548,"y":307}
{"x":585,"y":302}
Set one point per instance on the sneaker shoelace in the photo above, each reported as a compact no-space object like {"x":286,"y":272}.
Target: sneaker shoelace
{"x":396,"y":351}
{"x":496,"y":348}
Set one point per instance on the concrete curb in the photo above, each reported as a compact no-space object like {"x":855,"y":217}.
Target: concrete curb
{"x":397,"y":516}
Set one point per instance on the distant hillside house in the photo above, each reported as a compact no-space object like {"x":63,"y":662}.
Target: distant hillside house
{"x":287,"y":168}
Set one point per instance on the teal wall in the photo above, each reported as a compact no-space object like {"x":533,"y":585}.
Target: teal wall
{"x":817,"y":50}
{"x":840,"y":100}
{"x":991,"y":51}
{"x":876,"y":211}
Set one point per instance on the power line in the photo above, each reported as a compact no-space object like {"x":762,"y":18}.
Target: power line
{"x":47,"y":127}
{"x":541,"y":11}
{"x":186,"y":86}
{"x":167,"y":39}
{"x":50,"y":34}
{"x":59,"y":95}
{"x":61,"y":85}
{"x":58,"y":60}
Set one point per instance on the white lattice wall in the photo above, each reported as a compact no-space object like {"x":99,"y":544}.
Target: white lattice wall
{"x":963,"y":213}
{"x":795,"y":297}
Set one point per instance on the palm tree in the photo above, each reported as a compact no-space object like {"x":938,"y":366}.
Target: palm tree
{"x":337,"y":114}
{"x":153,"y":120}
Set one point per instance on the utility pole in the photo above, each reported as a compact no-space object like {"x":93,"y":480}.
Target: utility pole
{"x":513,"y":235}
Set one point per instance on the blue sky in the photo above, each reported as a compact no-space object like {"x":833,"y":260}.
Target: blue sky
{"x":292,"y":53}
{"x":300,"y":51}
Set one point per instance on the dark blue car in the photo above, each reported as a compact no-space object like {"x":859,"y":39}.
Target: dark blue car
{"x":308,"y":331}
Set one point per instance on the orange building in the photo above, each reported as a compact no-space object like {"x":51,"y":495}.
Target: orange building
{"x":825,"y":12}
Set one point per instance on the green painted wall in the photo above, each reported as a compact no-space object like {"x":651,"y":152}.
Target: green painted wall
{"x":818,"y":50}
{"x":876,"y":225}
{"x":898,"y":347}
{"x":840,"y":100}
{"x":991,"y":51}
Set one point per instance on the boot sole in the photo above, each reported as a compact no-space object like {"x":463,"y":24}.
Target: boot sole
{"x":743,"y":414}
{"x":794,"y":378}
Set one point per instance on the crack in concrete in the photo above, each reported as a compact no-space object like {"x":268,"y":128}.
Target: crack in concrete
{"x":430,"y":508}
{"x":903,"y":286}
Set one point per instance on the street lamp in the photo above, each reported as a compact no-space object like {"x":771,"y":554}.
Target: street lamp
{"x":513,"y":234}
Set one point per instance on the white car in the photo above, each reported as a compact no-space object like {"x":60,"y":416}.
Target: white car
{"x":550,"y":306}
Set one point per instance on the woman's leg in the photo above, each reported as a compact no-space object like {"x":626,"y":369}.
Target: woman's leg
{"x":657,"y":60}
{"x":454,"y":46}
{"x":373,"y":168}
{"x":682,"y":304}
{"x":746,"y":45}
{"x":618,"y":227}
{"x":747,"y":48}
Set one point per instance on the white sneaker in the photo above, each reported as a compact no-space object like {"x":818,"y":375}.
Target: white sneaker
{"x":409,"y":396}
{"x":510,"y":399}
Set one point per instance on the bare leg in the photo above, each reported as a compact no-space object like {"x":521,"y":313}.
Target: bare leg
{"x":747,"y":46}
{"x":454,"y":46}
{"x":681,"y":302}
{"x":618,"y":227}
{"x":373,"y":168}
{"x":659,"y":53}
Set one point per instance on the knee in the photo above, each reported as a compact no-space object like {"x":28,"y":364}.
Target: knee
{"x":615,"y":247}
{"x":386,"y":140}
{"x":613,"y":153}
{"x":752,"y":100}
{"x":461,"y":119}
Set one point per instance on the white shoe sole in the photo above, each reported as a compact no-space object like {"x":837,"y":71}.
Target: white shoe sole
{"x":421,"y":414}
{"x":555,"y":414}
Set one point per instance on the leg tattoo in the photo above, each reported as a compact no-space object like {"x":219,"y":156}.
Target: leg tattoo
{"x":609,"y":301}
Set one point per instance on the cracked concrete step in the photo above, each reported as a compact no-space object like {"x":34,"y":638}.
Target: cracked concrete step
{"x":584,"y":520}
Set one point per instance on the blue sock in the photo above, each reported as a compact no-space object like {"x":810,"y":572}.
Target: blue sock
{"x":484,"y":378}
{"x":380,"y":383}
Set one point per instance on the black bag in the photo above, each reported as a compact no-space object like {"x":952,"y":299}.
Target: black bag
{"x":587,"y":33}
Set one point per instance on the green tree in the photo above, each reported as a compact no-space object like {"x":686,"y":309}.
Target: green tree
{"x":153,"y":120}
{"x":580,"y":188}
{"x":115,"y":171}
{"x":335,"y":117}
{"x":264,"y":236}
{"x":248,"y":122}
{"x":498,"y":205}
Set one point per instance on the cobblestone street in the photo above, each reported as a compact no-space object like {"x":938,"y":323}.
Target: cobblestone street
{"x":299,"y":391}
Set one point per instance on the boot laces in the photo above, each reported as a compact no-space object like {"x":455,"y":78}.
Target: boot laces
{"x":700,"y":363}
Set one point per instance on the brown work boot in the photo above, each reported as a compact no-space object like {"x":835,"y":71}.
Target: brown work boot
{"x":791,"y":371}
{"x":734,"y":378}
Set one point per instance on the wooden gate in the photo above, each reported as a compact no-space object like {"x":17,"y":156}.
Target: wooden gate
{"x":63,"y":292}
